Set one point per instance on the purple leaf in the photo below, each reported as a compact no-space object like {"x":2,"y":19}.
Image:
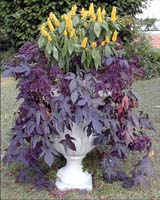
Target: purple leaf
{"x":74,"y":96}
{"x":68,"y":143}
{"x":72,"y":85}
{"x":134,"y":118}
{"x":30,"y":127}
{"x":97,"y":125}
{"x":49,"y":158}
{"x":71,"y":145}
{"x":7,"y":73}
{"x":35,"y":141}
{"x":68,"y":137}
{"x":38,"y":118}
{"x":109,"y":61}
{"x":82,"y":102}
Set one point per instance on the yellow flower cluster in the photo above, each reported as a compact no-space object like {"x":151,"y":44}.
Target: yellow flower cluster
{"x":73,"y":11}
{"x":68,"y":20}
{"x":94,"y":45}
{"x":103,"y":43}
{"x":65,"y":33}
{"x":99,"y":16}
{"x":113,"y":14}
{"x":114,"y":37}
{"x":107,"y":40}
{"x":45,"y":33}
{"x":84,"y":42}
{"x":53,"y":23}
{"x":69,"y":25}
{"x":91,"y":13}
{"x":85,"y":24}
{"x":103,"y":12}
{"x":84,"y":13}
{"x":71,"y":34}
{"x":54,"y":18}
{"x":51,"y":27}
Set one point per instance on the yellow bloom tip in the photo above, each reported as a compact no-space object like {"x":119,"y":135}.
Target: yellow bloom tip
{"x":84,"y":42}
{"x":103,"y":43}
{"x":94,"y":45}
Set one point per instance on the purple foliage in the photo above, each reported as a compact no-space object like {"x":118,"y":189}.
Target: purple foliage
{"x":102,"y":99}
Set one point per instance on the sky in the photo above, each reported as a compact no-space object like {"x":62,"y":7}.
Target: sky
{"x":152,"y":11}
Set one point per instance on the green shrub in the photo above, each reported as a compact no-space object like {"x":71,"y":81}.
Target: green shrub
{"x":21,"y":18}
{"x":149,"y":57}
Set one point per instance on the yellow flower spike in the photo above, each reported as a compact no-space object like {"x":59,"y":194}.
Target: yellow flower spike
{"x":99,"y":16}
{"x":107,"y":40}
{"x":54,"y":18}
{"x":103,"y":12}
{"x":94,"y":45}
{"x":73,"y":10}
{"x":57,"y":23}
{"x":84,"y":13}
{"x":43,"y":30}
{"x":51,"y":28}
{"x":72,"y":33}
{"x":64,"y":17}
{"x":93,"y":18}
{"x":99,"y":10}
{"x":85,"y":24}
{"x":103,"y":43}
{"x":65,"y":33}
{"x":113,"y":14}
{"x":91,"y":10}
{"x":69,"y":26}
{"x":114,"y":37}
{"x":84,"y":42}
{"x":49,"y":38}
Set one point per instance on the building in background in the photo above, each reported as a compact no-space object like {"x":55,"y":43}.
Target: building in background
{"x":153,"y":11}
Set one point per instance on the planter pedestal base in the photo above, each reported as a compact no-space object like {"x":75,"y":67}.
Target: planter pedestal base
{"x":71,"y":176}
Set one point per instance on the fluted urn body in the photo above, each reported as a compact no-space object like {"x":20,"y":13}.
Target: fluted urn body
{"x":72,"y":176}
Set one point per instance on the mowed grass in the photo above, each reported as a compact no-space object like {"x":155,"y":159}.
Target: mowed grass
{"x":149,"y":93}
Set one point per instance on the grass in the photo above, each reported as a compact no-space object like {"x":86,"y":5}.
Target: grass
{"x":149,"y":92}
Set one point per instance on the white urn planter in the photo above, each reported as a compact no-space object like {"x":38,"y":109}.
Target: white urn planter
{"x":72,"y":176}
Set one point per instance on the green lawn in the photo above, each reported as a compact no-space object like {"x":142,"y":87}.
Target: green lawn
{"x":149,"y":92}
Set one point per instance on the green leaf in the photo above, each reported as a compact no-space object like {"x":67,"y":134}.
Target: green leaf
{"x":62,"y":27}
{"x":70,"y":47}
{"x":77,"y":48}
{"x":82,"y":33}
{"x":108,"y":50}
{"x":114,"y":51}
{"x":64,"y":49}
{"x":83,"y":57}
{"x":97,"y":28}
{"x":105,"y":26}
{"x":61,"y":62}
{"x":41,"y":41}
{"x":55,"y":53}
{"x":92,"y":35}
{"x":75,"y":21}
{"x":96,"y":57}
{"x":89,"y":58}
{"x":49,"y":48}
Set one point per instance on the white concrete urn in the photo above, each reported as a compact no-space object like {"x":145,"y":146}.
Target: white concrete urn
{"x":72,"y":176}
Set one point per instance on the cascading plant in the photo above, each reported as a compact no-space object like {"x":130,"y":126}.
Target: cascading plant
{"x":75,"y":75}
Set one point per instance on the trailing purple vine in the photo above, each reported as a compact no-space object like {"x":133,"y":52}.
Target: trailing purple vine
{"x":102,"y":99}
